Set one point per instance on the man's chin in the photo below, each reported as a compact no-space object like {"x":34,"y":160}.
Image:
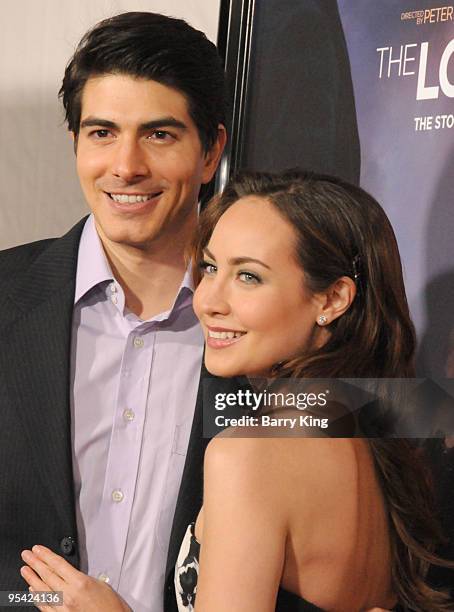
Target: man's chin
{"x":123,"y":238}
{"x":129,"y":233}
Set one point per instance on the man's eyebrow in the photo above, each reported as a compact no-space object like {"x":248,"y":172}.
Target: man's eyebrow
{"x":236,"y":261}
{"x":163,"y":122}
{"x":95,"y":121}
{"x":160,"y":122}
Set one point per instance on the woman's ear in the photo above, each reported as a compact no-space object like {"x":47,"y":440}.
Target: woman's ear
{"x":336,"y":300}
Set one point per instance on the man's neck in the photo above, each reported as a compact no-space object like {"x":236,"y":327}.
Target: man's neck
{"x":150,"y":277}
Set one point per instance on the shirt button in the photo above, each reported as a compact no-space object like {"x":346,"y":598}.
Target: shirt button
{"x":128,"y":414}
{"x":114,"y":299}
{"x":138,"y":342}
{"x":113,"y":289}
{"x":117,"y":496}
{"x":103,"y":578}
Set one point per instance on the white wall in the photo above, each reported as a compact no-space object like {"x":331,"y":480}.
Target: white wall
{"x":39,"y":192}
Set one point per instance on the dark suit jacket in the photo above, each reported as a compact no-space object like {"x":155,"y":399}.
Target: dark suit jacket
{"x":37,"y":284}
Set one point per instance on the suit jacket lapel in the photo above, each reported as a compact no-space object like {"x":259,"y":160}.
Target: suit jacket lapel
{"x":189,"y":499}
{"x":36,"y":354}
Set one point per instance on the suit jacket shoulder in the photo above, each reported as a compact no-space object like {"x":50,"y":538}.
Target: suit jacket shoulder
{"x":23,"y":253}
{"x":32,"y":272}
{"x":16,"y":259}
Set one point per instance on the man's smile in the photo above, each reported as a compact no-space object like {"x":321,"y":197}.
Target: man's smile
{"x":128,"y":198}
{"x":125,"y":198}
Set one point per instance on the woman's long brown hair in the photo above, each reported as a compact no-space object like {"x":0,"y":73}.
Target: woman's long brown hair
{"x":342,"y":231}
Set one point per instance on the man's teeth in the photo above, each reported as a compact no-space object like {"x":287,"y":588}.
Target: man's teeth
{"x":224,"y":335}
{"x":123,"y":198}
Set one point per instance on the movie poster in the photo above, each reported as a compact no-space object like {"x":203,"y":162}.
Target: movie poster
{"x":402,"y":62}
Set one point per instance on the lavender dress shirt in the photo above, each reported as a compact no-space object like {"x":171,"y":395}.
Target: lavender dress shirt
{"x":133,"y":394}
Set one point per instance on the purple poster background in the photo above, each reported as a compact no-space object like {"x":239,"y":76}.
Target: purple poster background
{"x":405,"y":111}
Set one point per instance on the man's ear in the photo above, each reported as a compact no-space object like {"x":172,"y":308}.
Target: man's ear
{"x":214,"y":155}
{"x":336,"y":300}
{"x":75,"y":138}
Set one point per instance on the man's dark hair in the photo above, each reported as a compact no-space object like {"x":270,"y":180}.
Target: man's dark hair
{"x":151,"y":46}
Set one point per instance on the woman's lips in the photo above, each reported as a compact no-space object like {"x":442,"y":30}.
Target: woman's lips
{"x":221,"y":338}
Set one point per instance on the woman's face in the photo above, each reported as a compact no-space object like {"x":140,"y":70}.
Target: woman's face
{"x":252,"y":301}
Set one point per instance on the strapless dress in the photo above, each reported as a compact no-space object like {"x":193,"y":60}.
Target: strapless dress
{"x":187,"y":573}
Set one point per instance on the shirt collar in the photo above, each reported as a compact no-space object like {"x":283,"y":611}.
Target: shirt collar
{"x":93,"y":268}
{"x":92,"y":265}
{"x":188,"y":281}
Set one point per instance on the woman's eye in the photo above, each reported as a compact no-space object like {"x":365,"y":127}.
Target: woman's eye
{"x":249,"y":278}
{"x":207,"y":268}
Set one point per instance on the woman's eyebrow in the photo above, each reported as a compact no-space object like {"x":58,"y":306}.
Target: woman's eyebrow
{"x":206,"y":251}
{"x":236,"y":261}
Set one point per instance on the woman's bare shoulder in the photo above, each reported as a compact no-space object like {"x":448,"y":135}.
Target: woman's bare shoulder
{"x":243,"y":458}
{"x":279,"y":465}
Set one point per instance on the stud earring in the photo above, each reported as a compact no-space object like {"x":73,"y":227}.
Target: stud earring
{"x":322,"y":320}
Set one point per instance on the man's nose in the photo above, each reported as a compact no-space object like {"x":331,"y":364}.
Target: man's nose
{"x":129,"y":160}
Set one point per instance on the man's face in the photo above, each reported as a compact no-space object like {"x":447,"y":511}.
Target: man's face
{"x":140,"y":160}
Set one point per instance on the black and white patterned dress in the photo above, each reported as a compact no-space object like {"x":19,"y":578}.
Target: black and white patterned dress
{"x":187,"y":571}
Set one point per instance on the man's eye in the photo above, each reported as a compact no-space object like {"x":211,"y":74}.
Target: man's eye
{"x":207,"y":268}
{"x":100,"y":133}
{"x":161,"y":135}
{"x":249,"y":278}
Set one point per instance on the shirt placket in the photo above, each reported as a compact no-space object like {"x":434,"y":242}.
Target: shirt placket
{"x":124,"y":452}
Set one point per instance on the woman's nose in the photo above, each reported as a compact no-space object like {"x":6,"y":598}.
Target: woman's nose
{"x":211,"y":298}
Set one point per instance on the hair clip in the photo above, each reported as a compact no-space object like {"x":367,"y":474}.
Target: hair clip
{"x":356,"y":262}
